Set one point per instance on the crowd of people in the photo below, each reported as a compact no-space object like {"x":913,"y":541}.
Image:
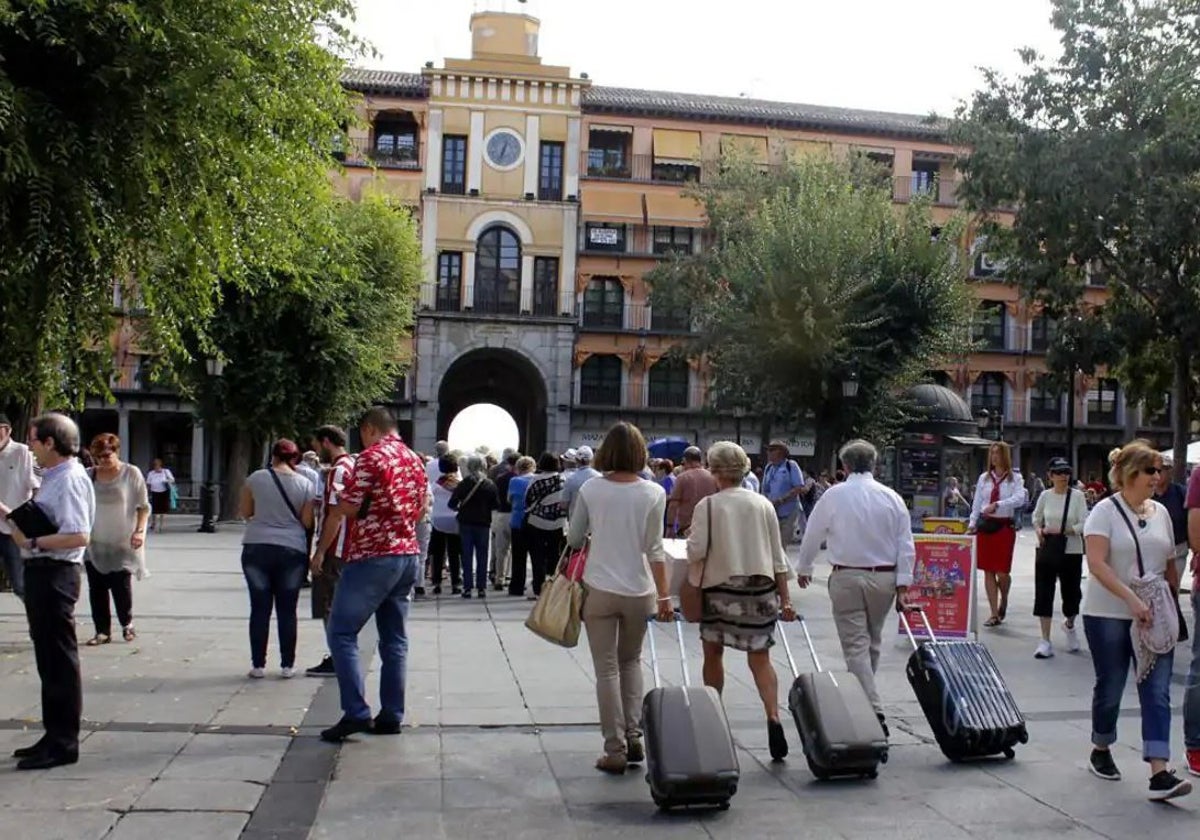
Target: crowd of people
{"x":375,"y":531}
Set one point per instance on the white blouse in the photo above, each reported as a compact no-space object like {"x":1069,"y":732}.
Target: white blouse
{"x":1012,"y":497}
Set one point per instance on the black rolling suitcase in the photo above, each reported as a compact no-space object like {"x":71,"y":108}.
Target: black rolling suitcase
{"x":690,"y":757}
{"x":964,"y":697}
{"x":839,"y":730}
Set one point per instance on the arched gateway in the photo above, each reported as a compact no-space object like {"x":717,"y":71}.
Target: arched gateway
{"x":500,"y":376}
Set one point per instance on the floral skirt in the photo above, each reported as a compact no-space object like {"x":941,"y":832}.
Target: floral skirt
{"x":741,"y":613}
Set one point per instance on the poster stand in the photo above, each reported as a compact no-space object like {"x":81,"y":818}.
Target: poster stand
{"x":944,"y":585}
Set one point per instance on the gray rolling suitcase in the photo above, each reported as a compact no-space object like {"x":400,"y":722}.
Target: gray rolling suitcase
{"x":690,"y":757}
{"x":839,"y":730}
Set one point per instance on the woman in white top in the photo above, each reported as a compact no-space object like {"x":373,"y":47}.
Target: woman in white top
{"x":738,"y":561}
{"x":999,"y":494}
{"x":1058,"y":517}
{"x":159,"y":481}
{"x":623,"y":576}
{"x":1126,"y":531}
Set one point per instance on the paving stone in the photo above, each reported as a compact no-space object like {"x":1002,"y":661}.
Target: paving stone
{"x":92,"y":824}
{"x":200,"y":795}
{"x":186,"y":826}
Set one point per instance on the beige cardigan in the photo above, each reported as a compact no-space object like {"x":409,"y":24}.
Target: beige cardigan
{"x":734,"y":533}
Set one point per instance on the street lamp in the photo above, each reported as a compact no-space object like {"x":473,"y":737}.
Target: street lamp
{"x":738,"y":413}
{"x":214,"y":367}
{"x":850,"y":386}
{"x":993,"y":423}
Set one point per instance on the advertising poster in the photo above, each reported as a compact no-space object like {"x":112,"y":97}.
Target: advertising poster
{"x":943,"y":585}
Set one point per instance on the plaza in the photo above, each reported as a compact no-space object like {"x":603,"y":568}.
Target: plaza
{"x":502,"y":732}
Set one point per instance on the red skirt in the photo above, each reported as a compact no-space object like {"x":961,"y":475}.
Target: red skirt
{"x":994,"y":552}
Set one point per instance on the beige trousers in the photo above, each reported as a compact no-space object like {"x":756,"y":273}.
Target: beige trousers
{"x":616,"y":628}
{"x":501,"y":543}
{"x":862,"y":600}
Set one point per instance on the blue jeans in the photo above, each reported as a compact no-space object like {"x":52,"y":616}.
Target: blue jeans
{"x":1112,"y":657}
{"x":1191,"y":691}
{"x":474,"y":544}
{"x":378,"y":586}
{"x":274,"y":575}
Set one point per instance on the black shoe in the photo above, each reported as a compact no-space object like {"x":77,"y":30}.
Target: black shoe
{"x":481,"y":593}
{"x":777,"y":740}
{"x":499,"y":587}
{"x":34,"y":749}
{"x":325,"y":669}
{"x":883,"y":722}
{"x":419,"y":591}
{"x":385,"y":726}
{"x":466,"y":593}
{"x":437,"y":590}
{"x":1166,"y":785}
{"x":344,"y":728}
{"x":46,"y":760}
{"x":455,"y":590}
{"x":635,"y":751}
{"x":306,"y":583}
{"x":1103,"y":766}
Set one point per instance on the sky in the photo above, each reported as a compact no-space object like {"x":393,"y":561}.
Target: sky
{"x":916,"y":56}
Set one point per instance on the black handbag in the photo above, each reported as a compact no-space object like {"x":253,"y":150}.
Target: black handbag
{"x":990,"y":525}
{"x":1054,"y":546}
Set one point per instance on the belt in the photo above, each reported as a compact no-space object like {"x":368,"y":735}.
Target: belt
{"x":41,"y":560}
{"x":836,"y":568}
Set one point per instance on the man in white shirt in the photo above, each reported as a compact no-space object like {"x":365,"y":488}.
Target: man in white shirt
{"x":868,"y":531}
{"x":17,"y":485}
{"x":431,"y":468}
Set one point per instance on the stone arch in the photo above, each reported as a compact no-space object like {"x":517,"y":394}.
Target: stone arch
{"x":504,"y":377}
{"x":500,"y":217}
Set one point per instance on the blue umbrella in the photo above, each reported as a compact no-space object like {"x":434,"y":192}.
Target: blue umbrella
{"x":671,"y":447}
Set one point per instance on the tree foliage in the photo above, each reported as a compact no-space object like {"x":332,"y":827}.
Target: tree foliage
{"x":815,"y":274}
{"x":176,"y":149}
{"x":1099,"y":150}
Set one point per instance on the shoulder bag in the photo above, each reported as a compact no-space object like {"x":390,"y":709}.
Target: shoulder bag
{"x":1137,"y":545}
{"x":691,"y":596}
{"x":1054,"y":546}
{"x":283,"y":493}
{"x":467,"y":498}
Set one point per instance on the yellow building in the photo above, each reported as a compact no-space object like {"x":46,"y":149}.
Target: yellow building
{"x":544,"y":199}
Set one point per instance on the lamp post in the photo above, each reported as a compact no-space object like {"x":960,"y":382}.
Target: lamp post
{"x":214,"y":367}
{"x":993,"y":423}
{"x":738,"y":413}
{"x":850,"y":386}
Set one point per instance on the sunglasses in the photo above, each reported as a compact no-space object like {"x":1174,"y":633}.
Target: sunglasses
{"x":1060,"y":472}
{"x":1154,"y":470}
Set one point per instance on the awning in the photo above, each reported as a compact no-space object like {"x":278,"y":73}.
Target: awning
{"x":753,"y":147}
{"x":970,"y":440}
{"x":618,"y":129}
{"x":673,"y":207}
{"x":678,"y":147}
{"x":611,"y":205}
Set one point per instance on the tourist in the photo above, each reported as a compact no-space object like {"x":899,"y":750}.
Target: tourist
{"x":378,"y":575}
{"x":868,"y":532}
{"x":545,"y":518}
{"x":325,"y":563}
{"x":1130,"y":550}
{"x":278,"y":508}
{"x":664,"y":469}
{"x":160,"y":482}
{"x":117,"y":550}
{"x":433,"y":466}
{"x":738,"y":561}
{"x":782,"y":484}
{"x":501,"y":522}
{"x":1173,"y":496}
{"x":518,"y":487}
{"x":999,"y":494}
{"x":955,"y":503}
{"x":52,"y":566}
{"x":474,"y":499}
{"x":1058,"y":518}
{"x":623,"y":575}
{"x":444,"y":541}
{"x":691,"y":485}
{"x":583,"y":472}
{"x":18,"y":482}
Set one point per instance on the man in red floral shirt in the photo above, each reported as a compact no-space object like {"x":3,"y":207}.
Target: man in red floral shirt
{"x":385,"y":495}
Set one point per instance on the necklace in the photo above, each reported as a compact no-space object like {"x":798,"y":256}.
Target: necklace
{"x":1139,"y":512}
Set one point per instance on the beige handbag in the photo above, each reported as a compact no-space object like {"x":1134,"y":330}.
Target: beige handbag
{"x":556,"y":616}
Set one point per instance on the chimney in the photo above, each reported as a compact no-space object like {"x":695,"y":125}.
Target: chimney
{"x":503,"y":35}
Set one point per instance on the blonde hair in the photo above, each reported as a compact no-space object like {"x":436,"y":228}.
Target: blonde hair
{"x":727,"y":460}
{"x":1005,"y":457}
{"x":1128,"y":460}
{"x":525,"y":464}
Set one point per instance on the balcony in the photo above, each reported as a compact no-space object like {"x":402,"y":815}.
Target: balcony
{"x":648,"y":241}
{"x":360,"y":153}
{"x":611,"y":165}
{"x":463,"y":299}
{"x":942,"y":191}
{"x":135,"y":377}
{"x":634,"y":317}
{"x":628,"y":397}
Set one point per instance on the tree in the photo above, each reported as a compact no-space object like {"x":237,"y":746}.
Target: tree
{"x":1099,"y":151}
{"x":171,"y":149}
{"x":814,"y":274}
{"x":315,"y":344}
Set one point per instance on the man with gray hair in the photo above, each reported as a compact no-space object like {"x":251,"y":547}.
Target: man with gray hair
{"x":431,"y":468}
{"x":868,"y":531}
{"x":584,"y":472}
{"x":692,"y":485}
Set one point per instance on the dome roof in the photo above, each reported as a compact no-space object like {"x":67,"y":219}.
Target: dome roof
{"x":940,"y":404}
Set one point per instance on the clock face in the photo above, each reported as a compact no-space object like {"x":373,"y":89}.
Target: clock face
{"x":504,"y":149}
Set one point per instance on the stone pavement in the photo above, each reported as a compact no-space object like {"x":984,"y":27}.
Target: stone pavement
{"x":502,"y":736}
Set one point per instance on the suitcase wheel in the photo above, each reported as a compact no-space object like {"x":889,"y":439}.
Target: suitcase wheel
{"x":663,"y":804}
{"x":874,"y":774}
{"x":1009,"y":753}
{"x":820,"y":772}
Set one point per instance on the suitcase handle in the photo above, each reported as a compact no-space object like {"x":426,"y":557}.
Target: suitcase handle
{"x":653,"y":652}
{"x":908,"y":628}
{"x":682,"y":651}
{"x":678,"y":622}
{"x":788,"y":648}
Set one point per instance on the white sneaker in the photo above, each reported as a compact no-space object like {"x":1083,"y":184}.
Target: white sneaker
{"x":1072,"y":638}
{"x":257,"y":673}
{"x":287,"y":673}
{"x":1044,"y":650}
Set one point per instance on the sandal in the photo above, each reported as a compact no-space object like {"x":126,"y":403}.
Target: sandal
{"x":615,"y":764}
{"x":994,"y":621}
{"x":129,"y":634}
{"x":98,"y":639}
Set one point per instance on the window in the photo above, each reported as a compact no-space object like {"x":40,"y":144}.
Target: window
{"x":608,"y":153}
{"x":600,"y":381}
{"x":884,"y":164}
{"x":395,"y":142}
{"x":983,"y":265}
{"x":988,"y":327}
{"x":925,"y":178}
{"x":988,"y":394}
{"x":550,"y":172}
{"x":1042,"y":333}
{"x":449,"y":282}
{"x":668,"y":384}
{"x":1102,"y":402}
{"x":545,"y":286}
{"x":672,"y":240}
{"x":1045,"y":405}
{"x":670,"y":319}
{"x":604,"y":304}
{"x":497,"y":271}
{"x":454,"y":164}
{"x":601,"y":236}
